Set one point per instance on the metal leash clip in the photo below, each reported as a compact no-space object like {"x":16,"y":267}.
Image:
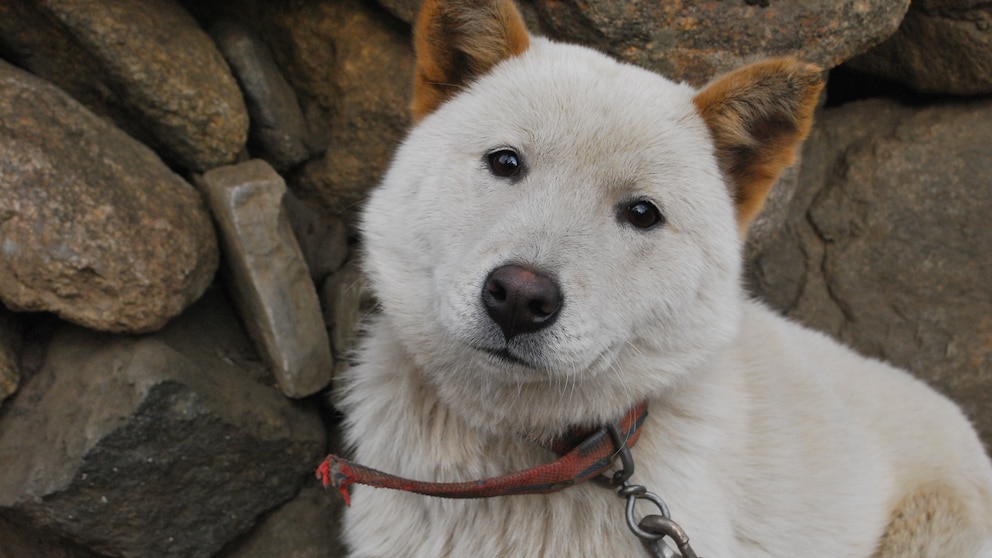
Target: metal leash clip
{"x":651,"y":529}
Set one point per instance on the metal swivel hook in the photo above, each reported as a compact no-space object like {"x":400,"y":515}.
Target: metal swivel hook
{"x":651,"y":529}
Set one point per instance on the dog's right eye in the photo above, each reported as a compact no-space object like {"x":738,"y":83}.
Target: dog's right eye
{"x":504,"y":163}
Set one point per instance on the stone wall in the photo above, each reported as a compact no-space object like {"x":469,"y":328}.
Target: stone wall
{"x":178,"y":185}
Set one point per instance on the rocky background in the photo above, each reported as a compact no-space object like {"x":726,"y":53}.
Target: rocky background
{"x":178,"y":186}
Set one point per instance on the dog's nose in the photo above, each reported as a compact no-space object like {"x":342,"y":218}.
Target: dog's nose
{"x":520,"y":300}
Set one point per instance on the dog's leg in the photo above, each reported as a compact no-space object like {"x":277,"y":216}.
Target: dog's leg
{"x":935,"y":521}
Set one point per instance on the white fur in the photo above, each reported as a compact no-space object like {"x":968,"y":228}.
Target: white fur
{"x":764,"y":438}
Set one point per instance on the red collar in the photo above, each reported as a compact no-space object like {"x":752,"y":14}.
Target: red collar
{"x":577,"y":463}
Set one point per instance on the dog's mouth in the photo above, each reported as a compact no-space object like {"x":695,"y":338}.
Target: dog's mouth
{"x":504,"y":355}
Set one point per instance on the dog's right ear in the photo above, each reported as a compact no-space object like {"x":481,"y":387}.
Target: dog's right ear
{"x":459,"y":40}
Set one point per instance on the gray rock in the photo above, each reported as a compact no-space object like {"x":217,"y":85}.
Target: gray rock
{"x":268,"y":277}
{"x":942,"y":46}
{"x":345,"y":301}
{"x":306,"y":527}
{"x":143,"y":63}
{"x":323,"y":240}
{"x":85,"y":214}
{"x":888,"y":241}
{"x":693,"y":41}
{"x":770,"y":221}
{"x":278,"y":132}
{"x":11,"y":341}
{"x":153,"y":446}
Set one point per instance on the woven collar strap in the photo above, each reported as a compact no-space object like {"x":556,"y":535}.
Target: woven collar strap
{"x":592,"y":456}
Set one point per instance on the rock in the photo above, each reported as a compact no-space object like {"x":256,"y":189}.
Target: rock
{"x":352,"y":70}
{"x":164,"y":445}
{"x":694,"y":41}
{"x":942,"y":46}
{"x":770,"y":221}
{"x":345,"y":301}
{"x":404,"y":9}
{"x":268,"y":277}
{"x":888,"y":241}
{"x":11,"y":341}
{"x":278,"y":132}
{"x":85,"y":212}
{"x":143,"y":63}
{"x":323,"y":240}
{"x":20,"y":541}
{"x":306,"y":527}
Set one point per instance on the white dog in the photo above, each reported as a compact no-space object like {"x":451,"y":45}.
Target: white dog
{"x":558,"y":241}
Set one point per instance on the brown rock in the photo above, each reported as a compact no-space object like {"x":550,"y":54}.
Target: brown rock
{"x":351,"y":69}
{"x":94,"y":226}
{"x":268,"y":276}
{"x":888,"y":243}
{"x":404,"y":9}
{"x":694,"y":41}
{"x":943,"y":46}
{"x":143,"y":63}
{"x":11,"y":341}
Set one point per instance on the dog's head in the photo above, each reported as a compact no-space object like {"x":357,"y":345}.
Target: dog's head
{"x":559,"y":236}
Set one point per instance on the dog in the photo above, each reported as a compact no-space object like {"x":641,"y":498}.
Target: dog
{"x":557,"y":241}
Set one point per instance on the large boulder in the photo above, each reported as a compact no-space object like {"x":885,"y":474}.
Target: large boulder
{"x":943,"y":46}
{"x":888,"y":241}
{"x":693,"y":41}
{"x":143,"y":63}
{"x":94,"y":226}
{"x":165,"y":445}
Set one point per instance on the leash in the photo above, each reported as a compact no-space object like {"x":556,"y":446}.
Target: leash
{"x":578,"y":462}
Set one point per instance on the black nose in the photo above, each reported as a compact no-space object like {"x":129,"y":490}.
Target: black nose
{"x":520,"y":300}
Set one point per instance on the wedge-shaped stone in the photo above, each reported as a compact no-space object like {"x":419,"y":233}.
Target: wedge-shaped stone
{"x":269,"y":279}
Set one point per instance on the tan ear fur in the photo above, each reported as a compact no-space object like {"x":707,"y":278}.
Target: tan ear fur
{"x":758,"y":116}
{"x":458,"y":40}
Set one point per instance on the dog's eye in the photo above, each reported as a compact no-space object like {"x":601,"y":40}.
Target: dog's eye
{"x":642,"y":214}
{"x":504,"y":163}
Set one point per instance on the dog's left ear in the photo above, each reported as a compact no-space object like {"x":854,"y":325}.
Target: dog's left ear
{"x":459,"y":40}
{"x":758,"y":116}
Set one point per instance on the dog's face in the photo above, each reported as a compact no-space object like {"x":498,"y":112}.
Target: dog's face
{"x":556,"y":240}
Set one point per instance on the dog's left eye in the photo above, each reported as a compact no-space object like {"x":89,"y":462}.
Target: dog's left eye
{"x":642,"y":214}
{"x":504,"y":163}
